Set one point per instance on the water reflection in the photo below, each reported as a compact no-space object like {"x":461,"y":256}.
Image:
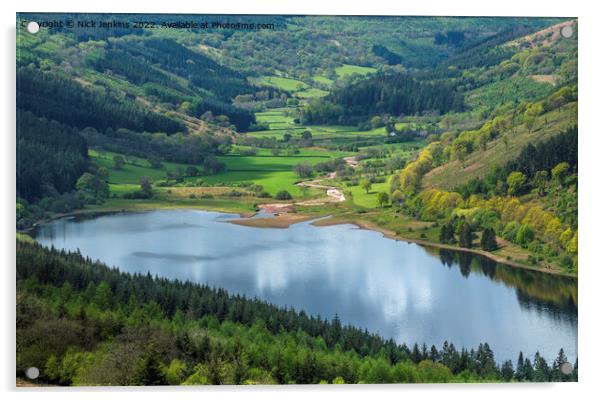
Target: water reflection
{"x":396,"y":289}
{"x":532,"y":288}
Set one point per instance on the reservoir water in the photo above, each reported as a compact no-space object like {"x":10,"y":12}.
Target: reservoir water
{"x":396,"y":289}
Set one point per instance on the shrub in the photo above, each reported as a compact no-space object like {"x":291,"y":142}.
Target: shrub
{"x":283,"y":195}
{"x":524,"y":235}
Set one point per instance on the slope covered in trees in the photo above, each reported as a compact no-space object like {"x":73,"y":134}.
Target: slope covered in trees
{"x":56,"y":97}
{"x":50,"y":156}
{"x":216,"y":85}
{"x":543,"y":156}
{"x":394,"y":94}
{"x":528,"y":195}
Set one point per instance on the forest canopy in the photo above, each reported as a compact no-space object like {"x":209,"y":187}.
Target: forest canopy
{"x":393,"y":94}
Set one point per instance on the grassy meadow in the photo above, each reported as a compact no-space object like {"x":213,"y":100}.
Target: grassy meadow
{"x":347,"y":69}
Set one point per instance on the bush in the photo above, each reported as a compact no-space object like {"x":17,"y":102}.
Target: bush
{"x":524,"y":235}
{"x":283,"y":195}
{"x":139,"y":194}
{"x":566,"y":261}
{"x":303,"y":170}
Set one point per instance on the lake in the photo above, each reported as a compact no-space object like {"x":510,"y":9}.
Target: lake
{"x":396,"y":289}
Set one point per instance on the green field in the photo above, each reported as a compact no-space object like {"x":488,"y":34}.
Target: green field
{"x":301,"y":89}
{"x":275,"y":120}
{"x":288,"y":84}
{"x":300,"y":153}
{"x":347,"y":69}
{"x":311,"y":93}
{"x":323,"y":80}
{"x":274,"y":173}
{"x":133,"y":169}
{"x":368,"y":200}
{"x":279,"y":124}
{"x":162,"y":201}
{"x":399,"y":147}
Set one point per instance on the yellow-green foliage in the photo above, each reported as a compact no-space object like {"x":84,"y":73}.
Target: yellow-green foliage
{"x":468,"y":141}
{"x":412,"y":173}
{"x":437,"y":202}
{"x":23,"y":237}
{"x":562,"y":96}
{"x":547,"y":227}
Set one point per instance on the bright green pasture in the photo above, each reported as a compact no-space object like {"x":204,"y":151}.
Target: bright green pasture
{"x":348,"y":69}
{"x":323,"y":80}
{"x":133,"y":169}
{"x":395,"y":147}
{"x":240,"y":205}
{"x":343,"y":130}
{"x":311,"y":93}
{"x":288,"y":84}
{"x":303,"y":152}
{"x":274,"y":173}
{"x":279,"y":124}
{"x":275,"y":119}
{"x":368,"y":200}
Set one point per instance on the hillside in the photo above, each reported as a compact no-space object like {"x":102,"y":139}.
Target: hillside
{"x":501,"y":150}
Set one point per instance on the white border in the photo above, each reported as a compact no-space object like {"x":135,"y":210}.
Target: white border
{"x":589,"y":205}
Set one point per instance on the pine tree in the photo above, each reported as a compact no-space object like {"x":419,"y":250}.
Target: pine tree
{"x":466,"y":235}
{"x":434,"y":355}
{"x":488,"y":241}
{"x":485,"y":362}
{"x":541,"y":369}
{"x":507,"y":371}
{"x":446,"y":233}
{"x":149,"y":371}
{"x":529,"y":372}
{"x":425,"y":353}
{"x":416,"y":356}
{"x":557,"y":375}
{"x":520,"y":368}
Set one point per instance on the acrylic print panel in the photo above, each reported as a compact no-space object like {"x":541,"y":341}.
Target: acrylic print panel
{"x":190,"y":188}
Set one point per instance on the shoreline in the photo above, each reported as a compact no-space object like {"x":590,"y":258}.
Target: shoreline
{"x":425,"y":243}
{"x":100,"y":212}
{"x":285,"y":220}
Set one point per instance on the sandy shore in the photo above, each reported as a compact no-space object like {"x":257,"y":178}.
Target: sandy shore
{"x":281,"y":221}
